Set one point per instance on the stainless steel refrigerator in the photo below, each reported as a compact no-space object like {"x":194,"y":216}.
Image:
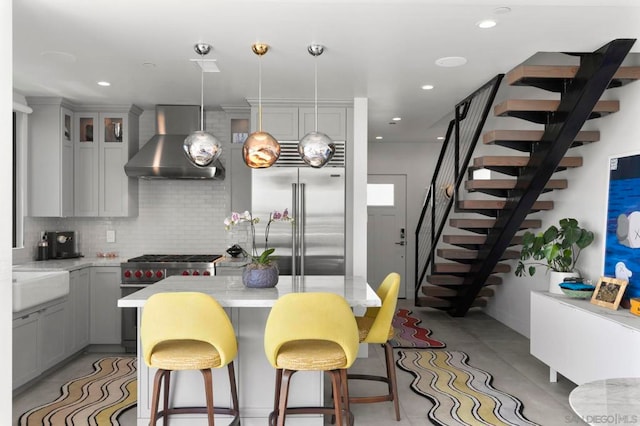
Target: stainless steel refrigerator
{"x":313,"y":243}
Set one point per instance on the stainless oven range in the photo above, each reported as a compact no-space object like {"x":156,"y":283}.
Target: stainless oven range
{"x":139,"y":272}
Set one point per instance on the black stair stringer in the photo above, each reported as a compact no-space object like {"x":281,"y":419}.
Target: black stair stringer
{"x":592,"y":79}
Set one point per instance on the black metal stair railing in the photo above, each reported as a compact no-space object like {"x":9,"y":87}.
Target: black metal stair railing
{"x":462,"y":136}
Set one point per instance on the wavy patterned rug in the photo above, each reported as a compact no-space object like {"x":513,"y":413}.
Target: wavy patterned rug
{"x":96,"y":399}
{"x":407,"y":333}
{"x":461,"y":394}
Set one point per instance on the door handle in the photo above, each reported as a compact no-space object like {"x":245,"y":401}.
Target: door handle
{"x":400,"y":243}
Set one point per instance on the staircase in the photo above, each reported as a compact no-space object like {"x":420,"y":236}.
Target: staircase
{"x":467,"y":233}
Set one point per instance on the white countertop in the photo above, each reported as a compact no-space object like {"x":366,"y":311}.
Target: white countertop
{"x":69,"y":264}
{"x":608,"y":402}
{"x":230,"y":292}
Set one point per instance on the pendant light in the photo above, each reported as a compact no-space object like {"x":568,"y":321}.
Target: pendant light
{"x":202,"y":148}
{"x":260,"y":149}
{"x":316,"y":148}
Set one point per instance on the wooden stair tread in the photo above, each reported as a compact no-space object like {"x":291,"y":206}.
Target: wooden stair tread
{"x":454,"y":280}
{"x":518,"y":161}
{"x":523,"y":140}
{"x":540,"y":75}
{"x":435,"y":302}
{"x":540,"y":110}
{"x":547,"y":105}
{"x":479,"y":184}
{"x":437,"y":291}
{"x":499,"y":205}
{"x":533,"y":136}
{"x":473,"y":240}
{"x":464,"y":223}
{"x":453,"y":254}
{"x":460,"y":268}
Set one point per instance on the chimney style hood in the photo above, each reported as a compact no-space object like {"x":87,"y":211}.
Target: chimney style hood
{"x":163,"y":157}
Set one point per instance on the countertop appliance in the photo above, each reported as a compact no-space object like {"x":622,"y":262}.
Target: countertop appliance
{"x":314,"y":244}
{"x":141,"y":271}
{"x":62,"y":244}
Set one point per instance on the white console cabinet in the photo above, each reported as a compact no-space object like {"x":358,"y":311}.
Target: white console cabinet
{"x":582,"y":341}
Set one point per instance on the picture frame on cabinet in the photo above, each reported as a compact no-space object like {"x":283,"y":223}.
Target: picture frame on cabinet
{"x":609,"y":292}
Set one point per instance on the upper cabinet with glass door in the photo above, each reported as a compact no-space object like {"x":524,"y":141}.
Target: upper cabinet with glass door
{"x":106,"y":140}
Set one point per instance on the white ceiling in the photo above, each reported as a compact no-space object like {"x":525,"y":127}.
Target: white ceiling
{"x":383,"y":50}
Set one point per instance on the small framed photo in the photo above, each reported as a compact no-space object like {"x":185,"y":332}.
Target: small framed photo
{"x":609,"y":292}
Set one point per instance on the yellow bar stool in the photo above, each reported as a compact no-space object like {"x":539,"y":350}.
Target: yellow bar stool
{"x":188,"y":331}
{"x":311,"y":332}
{"x":376,"y":327}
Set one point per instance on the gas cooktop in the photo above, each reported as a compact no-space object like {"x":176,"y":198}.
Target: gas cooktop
{"x":200,"y":258}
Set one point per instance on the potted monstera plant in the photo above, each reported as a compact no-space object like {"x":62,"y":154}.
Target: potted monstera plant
{"x":557,"y":248}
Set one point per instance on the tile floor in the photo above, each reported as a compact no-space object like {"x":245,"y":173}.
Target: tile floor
{"x":490,"y":345}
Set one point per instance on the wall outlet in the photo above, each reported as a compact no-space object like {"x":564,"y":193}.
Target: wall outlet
{"x":111,"y":236}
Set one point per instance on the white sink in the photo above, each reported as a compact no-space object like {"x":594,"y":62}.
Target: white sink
{"x":31,"y":288}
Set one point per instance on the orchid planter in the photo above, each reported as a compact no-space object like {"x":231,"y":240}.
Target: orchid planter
{"x":256,"y":275}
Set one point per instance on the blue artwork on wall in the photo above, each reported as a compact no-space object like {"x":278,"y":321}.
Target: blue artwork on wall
{"x":622,"y":246}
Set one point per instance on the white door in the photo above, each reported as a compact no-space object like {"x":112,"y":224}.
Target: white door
{"x":387,"y":229}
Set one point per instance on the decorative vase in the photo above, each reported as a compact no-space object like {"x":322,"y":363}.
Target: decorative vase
{"x":555,"y":278}
{"x":260,"y":276}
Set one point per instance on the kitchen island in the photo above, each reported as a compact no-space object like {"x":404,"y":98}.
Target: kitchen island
{"x":248,"y":310}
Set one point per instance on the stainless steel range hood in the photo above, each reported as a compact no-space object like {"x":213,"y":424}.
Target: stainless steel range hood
{"x":163,"y":157}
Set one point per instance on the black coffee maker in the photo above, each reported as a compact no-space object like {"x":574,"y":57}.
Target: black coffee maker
{"x":62,"y":245}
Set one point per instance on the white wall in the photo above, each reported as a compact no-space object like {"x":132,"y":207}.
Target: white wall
{"x":6,"y":97}
{"x":417,"y":162}
{"x":585,"y":200}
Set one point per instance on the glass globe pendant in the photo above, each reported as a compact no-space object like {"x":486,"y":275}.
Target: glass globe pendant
{"x":200,"y":147}
{"x":316,"y":148}
{"x":260,"y":149}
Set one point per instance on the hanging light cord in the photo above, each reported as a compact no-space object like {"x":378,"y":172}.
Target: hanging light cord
{"x":202,"y":93}
{"x":316,"y":92}
{"x":260,"y":93}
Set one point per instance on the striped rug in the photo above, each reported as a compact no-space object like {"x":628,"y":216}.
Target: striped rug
{"x":407,"y":333}
{"x":461,"y":394}
{"x":96,"y":399}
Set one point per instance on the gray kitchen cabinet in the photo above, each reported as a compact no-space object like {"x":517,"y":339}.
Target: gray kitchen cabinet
{"x":331,"y":121}
{"x":50,"y":158}
{"x":104,"y":141}
{"x":279,"y":122}
{"x":292,"y":123}
{"x":25,"y":349}
{"x":51,"y":332}
{"x":38,"y":340}
{"x":105,"y":315}
{"x":77,"y":315}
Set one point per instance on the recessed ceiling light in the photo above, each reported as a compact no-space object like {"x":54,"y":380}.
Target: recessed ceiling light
{"x":440,"y":138}
{"x":104,"y":83}
{"x":501,"y":10}
{"x":58,"y":56}
{"x":451,"y":61}
{"x":397,"y":118}
{"x":427,"y":87}
{"x":379,"y":138}
{"x":486,"y":23}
